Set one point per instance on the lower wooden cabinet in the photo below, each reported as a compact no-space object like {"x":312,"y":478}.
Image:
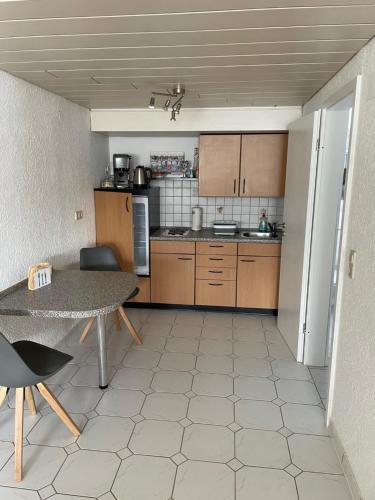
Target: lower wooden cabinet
{"x":172,"y":278}
{"x":258,"y":282}
{"x":144,"y":295}
{"x":215,"y":293}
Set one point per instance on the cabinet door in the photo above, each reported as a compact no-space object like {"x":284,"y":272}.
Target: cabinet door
{"x":219,"y":165}
{"x":114,"y":225}
{"x":258,"y":282}
{"x":263,"y":164}
{"x":172,"y":278}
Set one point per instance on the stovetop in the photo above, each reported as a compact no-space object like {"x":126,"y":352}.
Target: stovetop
{"x":177,"y":232}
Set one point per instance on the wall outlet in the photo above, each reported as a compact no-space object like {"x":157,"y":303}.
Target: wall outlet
{"x":78,"y":214}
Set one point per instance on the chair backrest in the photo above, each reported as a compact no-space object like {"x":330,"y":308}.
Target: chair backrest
{"x":98,"y":259}
{"x":13,"y":370}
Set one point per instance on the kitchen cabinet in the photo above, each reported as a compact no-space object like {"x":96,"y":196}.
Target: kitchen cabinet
{"x":144,"y":295}
{"x":172,"y":272}
{"x":219,"y":164}
{"x":114,"y":225}
{"x":258,"y":270}
{"x":263,"y":164}
{"x":242,"y":165}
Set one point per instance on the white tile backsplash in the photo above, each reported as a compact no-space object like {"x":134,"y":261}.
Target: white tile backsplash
{"x":177,"y":197}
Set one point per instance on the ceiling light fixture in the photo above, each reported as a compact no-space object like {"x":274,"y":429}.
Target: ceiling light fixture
{"x":177,"y":93}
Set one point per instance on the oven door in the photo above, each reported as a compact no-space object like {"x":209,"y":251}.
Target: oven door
{"x":141,"y":230}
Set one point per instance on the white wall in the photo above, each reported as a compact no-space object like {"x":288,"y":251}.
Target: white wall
{"x":352,"y":412}
{"x":194,"y":120}
{"x":49,"y":164}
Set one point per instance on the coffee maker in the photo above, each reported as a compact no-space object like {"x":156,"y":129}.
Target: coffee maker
{"x":121,"y":170}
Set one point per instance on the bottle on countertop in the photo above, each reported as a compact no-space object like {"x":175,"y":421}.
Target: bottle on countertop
{"x":263,"y":221}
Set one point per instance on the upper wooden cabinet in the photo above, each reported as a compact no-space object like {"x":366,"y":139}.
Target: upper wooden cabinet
{"x":219,"y":165}
{"x":242,"y":165}
{"x":263,"y":163}
{"x":114,"y":225}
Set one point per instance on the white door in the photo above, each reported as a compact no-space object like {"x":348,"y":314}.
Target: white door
{"x":335,"y":134}
{"x":298,"y":213}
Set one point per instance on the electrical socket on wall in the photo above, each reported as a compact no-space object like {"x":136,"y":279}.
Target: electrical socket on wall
{"x":78,"y":215}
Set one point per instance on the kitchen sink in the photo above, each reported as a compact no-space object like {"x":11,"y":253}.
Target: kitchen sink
{"x":255,"y":234}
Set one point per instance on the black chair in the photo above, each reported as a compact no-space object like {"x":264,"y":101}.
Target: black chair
{"x":24,"y":364}
{"x":104,"y":259}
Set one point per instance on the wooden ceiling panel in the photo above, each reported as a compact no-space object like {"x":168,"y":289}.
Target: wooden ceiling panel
{"x":113,"y":54}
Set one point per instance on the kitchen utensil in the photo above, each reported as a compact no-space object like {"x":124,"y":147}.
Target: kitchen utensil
{"x":142,"y":176}
{"x":197,"y":216}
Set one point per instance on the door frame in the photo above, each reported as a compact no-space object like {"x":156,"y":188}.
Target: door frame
{"x":353,"y":87}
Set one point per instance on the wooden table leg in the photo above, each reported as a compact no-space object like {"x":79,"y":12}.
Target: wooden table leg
{"x":3,"y":394}
{"x":131,"y":328}
{"x":56,"y":407}
{"x":18,"y":437}
{"x":87,"y":329}
{"x":29,"y":396}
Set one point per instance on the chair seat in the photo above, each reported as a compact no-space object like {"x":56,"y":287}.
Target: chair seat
{"x":42,"y":360}
{"x":133,"y":294}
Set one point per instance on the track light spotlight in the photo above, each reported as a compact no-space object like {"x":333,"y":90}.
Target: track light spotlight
{"x":167,"y":104}
{"x":152,"y":103}
{"x":173,"y":116}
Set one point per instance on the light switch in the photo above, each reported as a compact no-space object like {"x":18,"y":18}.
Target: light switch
{"x":352,"y":261}
{"x":78,"y":214}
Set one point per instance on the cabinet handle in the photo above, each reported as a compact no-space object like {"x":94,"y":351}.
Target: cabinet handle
{"x":243,"y":260}
{"x":234,"y":185}
{"x":216,"y":284}
{"x":243,"y":186}
{"x":184,"y":258}
{"x":127,"y":204}
{"x":213,"y":258}
{"x":216,"y":272}
{"x":216,"y":246}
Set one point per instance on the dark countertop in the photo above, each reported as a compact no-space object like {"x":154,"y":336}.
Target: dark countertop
{"x":207,"y":234}
{"x":72,"y":294}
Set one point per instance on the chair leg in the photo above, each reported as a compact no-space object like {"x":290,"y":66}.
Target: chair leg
{"x":18,"y":437}
{"x":87,"y":329}
{"x":116,"y":318}
{"x":131,"y":328}
{"x":58,"y":409}
{"x":29,"y":396}
{"x":3,"y":394}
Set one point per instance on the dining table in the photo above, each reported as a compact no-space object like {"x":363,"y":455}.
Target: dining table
{"x":75,"y":295}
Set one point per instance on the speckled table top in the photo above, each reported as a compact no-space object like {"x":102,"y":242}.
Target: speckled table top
{"x":207,"y":234}
{"x":72,"y":294}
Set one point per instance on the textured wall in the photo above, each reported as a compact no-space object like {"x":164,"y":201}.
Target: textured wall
{"x":49,"y":164}
{"x":353,"y":407}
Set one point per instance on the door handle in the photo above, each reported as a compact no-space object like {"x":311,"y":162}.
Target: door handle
{"x":216,"y":246}
{"x":127,"y":204}
{"x":216,"y":284}
{"x":213,"y":258}
{"x":243,"y":186}
{"x":216,"y":272}
{"x":184,"y":258}
{"x":243,"y":260}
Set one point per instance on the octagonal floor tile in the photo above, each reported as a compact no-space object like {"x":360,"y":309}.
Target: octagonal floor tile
{"x":208,"y":384}
{"x":323,"y":486}
{"x":264,"y":484}
{"x":280,"y":351}
{"x":255,"y":334}
{"x":40,"y":466}
{"x":210,"y":363}
{"x":252,"y":367}
{"x":217,"y":332}
{"x":58,"y":496}
{"x":163,"y":406}
{"x":208,"y":443}
{"x":181,"y":344}
{"x":157,"y":438}
{"x":120,"y":403}
{"x":283,"y":368}
{"x":52,"y":432}
{"x":314,"y":454}
{"x":215,"y":347}
{"x":203,"y":480}
{"x":211,"y":410}
{"x":304,"y":419}
{"x":88,"y":376}
{"x":7,"y":423}
{"x":106,"y":433}
{"x":262,"y":448}
{"x":174,"y":382}
{"x":6,"y":451}
{"x":153,"y":329}
{"x":258,"y":415}
{"x":145,"y":478}
{"x":80,"y":399}
{"x":18,"y":494}
{"x":177,"y":361}
{"x":132,"y":378}
{"x":250,"y":349}
{"x":141,"y":359}
{"x":297,"y":391}
{"x":87,"y":473}
{"x":182,"y":330}
{"x":257,"y":388}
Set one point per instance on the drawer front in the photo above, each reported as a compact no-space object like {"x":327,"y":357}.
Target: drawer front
{"x":172,"y":278}
{"x":217,"y":248}
{"x":260,"y":249}
{"x":215,"y":293}
{"x":258,"y":282}
{"x":216,"y":273}
{"x":217,"y":261}
{"x":166,"y":246}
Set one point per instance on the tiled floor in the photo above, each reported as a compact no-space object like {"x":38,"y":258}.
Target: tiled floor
{"x":212,"y":405}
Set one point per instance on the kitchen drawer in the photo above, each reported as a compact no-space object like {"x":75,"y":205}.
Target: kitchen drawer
{"x":215,"y":293}
{"x":216,"y":273}
{"x":260,"y":249}
{"x":217,"y":248}
{"x":166,"y":246}
{"x":216,"y":261}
